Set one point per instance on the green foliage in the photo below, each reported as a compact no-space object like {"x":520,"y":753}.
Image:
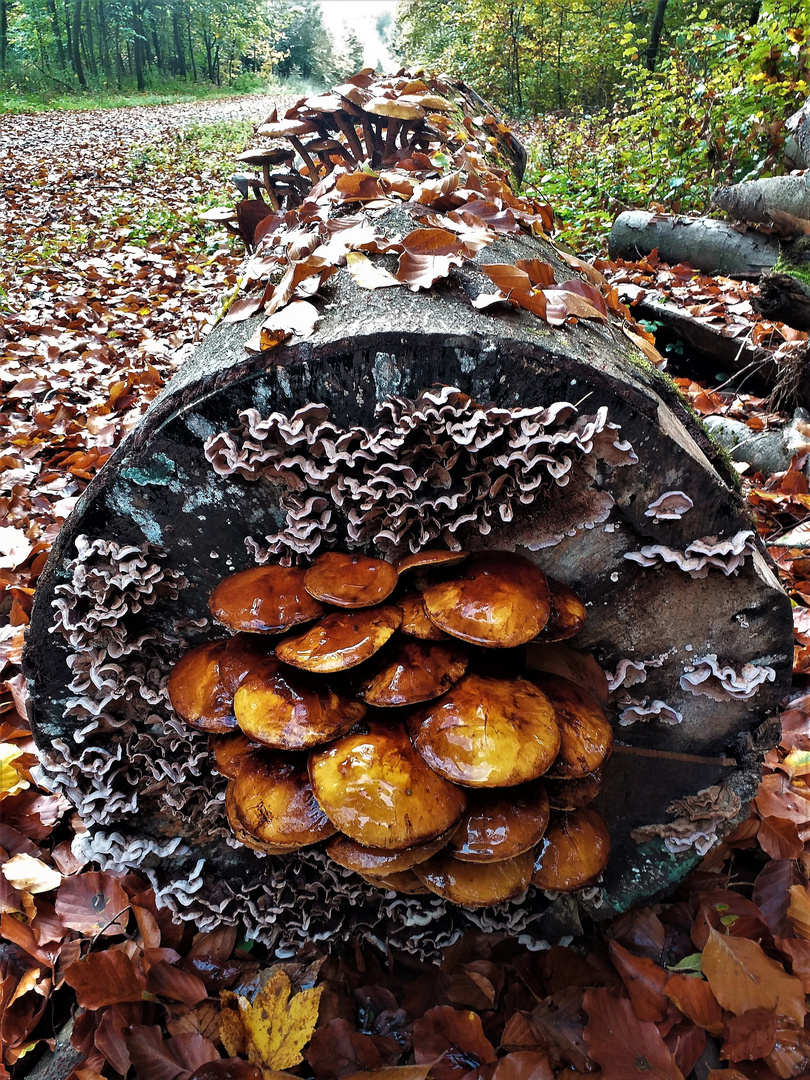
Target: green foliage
{"x":711,"y":113}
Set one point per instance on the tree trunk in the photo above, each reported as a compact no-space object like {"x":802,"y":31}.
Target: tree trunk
{"x":656,"y":30}
{"x":191,"y":48}
{"x":599,"y":533}
{"x":712,"y":246}
{"x":776,"y":199}
{"x":57,"y":34}
{"x":76,"y":43}
{"x":91,"y":54}
{"x":138,"y":43}
{"x":179,"y":51}
{"x":3,"y":34}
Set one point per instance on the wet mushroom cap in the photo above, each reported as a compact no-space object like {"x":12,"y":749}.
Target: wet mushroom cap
{"x":500,"y":825}
{"x":415,"y":671}
{"x":341,"y":640}
{"x":281,"y":707}
{"x":415,"y":620}
{"x":377,"y":790}
{"x":586,"y":734}
{"x":229,"y":752}
{"x":242,"y":652}
{"x":488,"y":732}
{"x":379,"y":862}
{"x":273,"y":801}
{"x":572,"y":794}
{"x":500,"y":600}
{"x":573,"y":852}
{"x":430,"y":560}
{"x":402,"y":881}
{"x":350,"y":581}
{"x":241,"y":833}
{"x":578,"y":667}
{"x":264,"y":600}
{"x":476,"y":884}
{"x":196,"y":691}
{"x":568,"y":613}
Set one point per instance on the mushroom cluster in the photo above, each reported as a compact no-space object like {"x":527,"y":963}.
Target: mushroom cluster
{"x":388,"y":710}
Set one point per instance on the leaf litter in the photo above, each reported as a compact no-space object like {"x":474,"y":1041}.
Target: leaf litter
{"x":98,"y":310}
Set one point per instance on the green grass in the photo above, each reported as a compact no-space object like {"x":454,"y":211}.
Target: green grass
{"x":173,"y":93}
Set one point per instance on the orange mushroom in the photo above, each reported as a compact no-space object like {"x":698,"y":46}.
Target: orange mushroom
{"x":283,"y":708}
{"x":241,"y":653}
{"x":568,"y":613}
{"x":572,"y":794}
{"x":499,"y":601}
{"x":350,"y":581}
{"x":374,"y":862}
{"x":376,"y":789}
{"x":196,"y":691}
{"x":229,"y":752}
{"x":415,"y":671}
{"x":573,"y":852}
{"x":415,"y":621}
{"x":340,"y":641}
{"x":500,"y":825}
{"x":587,"y":737}
{"x":476,"y":884}
{"x":488,"y":732}
{"x":264,"y":600}
{"x":273,"y":801}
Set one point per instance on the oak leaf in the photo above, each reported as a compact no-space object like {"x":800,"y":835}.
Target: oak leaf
{"x":274,"y":1028}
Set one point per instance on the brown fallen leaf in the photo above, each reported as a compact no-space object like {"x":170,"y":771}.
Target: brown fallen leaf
{"x":743,"y":977}
{"x":368,"y":276}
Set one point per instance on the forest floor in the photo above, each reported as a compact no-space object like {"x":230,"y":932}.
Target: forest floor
{"x":108,"y":281}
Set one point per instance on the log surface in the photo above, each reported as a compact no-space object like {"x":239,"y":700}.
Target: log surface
{"x":144,"y":783}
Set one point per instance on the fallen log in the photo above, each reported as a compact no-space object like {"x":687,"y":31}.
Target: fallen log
{"x":775,"y":199}
{"x":548,"y":433}
{"x":715,"y":247}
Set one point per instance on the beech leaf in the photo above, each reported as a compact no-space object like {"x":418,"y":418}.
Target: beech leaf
{"x":623,"y":1045}
{"x":368,"y":276}
{"x":104,"y":978}
{"x":743,"y":977}
{"x":28,"y":874}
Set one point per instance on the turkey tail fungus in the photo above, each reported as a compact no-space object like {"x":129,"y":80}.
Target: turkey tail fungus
{"x":413,"y":372}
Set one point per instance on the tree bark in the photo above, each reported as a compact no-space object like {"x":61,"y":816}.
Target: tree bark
{"x":3,"y":34}
{"x":656,"y":30}
{"x":712,"y":246}
{"x":775,"y":199}
{"x":76,"y":43}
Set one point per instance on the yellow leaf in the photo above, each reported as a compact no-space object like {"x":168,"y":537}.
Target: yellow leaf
{"x":10,"y":780}
{"x":25,"y":872}
{"x":231,"y":1030}
{"x":275,"y":1027}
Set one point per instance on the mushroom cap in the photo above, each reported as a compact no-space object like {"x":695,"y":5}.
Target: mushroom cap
{"x":415,"y":620}
{"x":341,"y":640}
{"x":394,"y":109}
{"x":350,"y":581}
{"x":229,"y":751}
{"x":488,"y":732}
{"x":430,"y":560}
{"x":572,"y":794}
{"x":196,"y":691}
{"x":266,"y":155}
{"x":500,"y":600}
{"x":374,"y":862}
{"x":241,"y":653}
{"x":586,"y":734}
{"x":241,"y":833}
{"x":286,"y":709}
{"x":573,"y":852}
{"x":500,"y":825}
{"x":415,"y":671}
{"x":402,"y":881}
{"x":264,"y":600}
{"x":578,"y":667}
{"x":476,"y":884}
{"x":568,"y":613}
{"x":281,"y":129}
{"x":274,"y":802}
{"x":376,"y":789}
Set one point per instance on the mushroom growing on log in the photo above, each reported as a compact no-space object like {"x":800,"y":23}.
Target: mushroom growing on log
{"x":549,"y":434}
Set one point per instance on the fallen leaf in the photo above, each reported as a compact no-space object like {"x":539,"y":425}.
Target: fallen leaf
{"x":31,"y":875}
{"x":275,"y":1026}
{"x":750,"y":1036}
{"x":368,"y":276}
{"x":743,"y":977}
{"x":623,"y":1045}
